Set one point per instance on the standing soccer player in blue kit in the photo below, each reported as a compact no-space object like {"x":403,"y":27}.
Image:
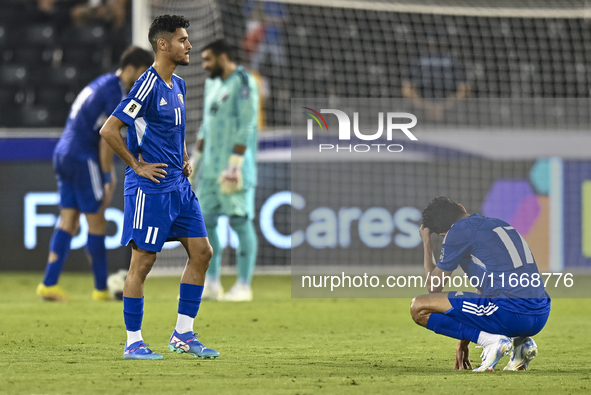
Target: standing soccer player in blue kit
{"x":159,"y":203}
{"x":86,"y":181}
{"x":504,"y":314}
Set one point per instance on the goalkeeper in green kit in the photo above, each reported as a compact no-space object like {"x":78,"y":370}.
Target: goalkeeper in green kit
{"x":225,"y":165}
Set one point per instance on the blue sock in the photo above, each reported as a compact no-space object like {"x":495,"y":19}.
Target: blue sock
{"x":190,"y":299}
{"x":60,"y":245}
{"x":98,"y":255}
{"x":133,"y":312}
{"x":445,"y":325}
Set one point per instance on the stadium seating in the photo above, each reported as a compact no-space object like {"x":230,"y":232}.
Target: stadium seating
{"x":13,"y":75}
{"x":44,"y":64}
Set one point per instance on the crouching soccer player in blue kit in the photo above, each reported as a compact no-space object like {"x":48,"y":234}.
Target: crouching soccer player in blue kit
{"x":86,"y":180}
{"x":159,"y":203}
{"x":503,"y":315}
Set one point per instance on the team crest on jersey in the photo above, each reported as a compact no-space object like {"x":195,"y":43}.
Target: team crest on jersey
{"x":181,"y":99}
{"x":225,"y":96}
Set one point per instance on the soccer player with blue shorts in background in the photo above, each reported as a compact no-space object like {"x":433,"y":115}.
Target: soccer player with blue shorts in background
{"x":86,"y":178}
{"x":503,"y":315}
{"x":225,"y":163}
{"x":159,"y":203}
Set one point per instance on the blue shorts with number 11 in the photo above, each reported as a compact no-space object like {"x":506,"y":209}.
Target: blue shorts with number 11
{"x":152,"y":219}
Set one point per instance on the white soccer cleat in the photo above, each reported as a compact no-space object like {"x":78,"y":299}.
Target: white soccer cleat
{"x":212,"y":290}
{"x":522,"y":355}
{"x":492,"y":353}
{"x":238,"y":293}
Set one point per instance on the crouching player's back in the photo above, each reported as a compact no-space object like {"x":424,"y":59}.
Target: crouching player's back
{"x":511,"y":304}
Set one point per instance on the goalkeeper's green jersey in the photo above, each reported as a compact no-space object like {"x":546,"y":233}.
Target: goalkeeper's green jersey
{"x":230,"y":114}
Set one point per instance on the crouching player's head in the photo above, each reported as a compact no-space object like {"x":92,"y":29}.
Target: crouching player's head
{"x":441,"y":213}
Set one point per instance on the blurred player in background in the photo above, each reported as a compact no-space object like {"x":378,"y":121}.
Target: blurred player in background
{"x":86,"y":178}
{"x":226,"y":160}
{"x":159,"y":202}
{"x":503,"y":315}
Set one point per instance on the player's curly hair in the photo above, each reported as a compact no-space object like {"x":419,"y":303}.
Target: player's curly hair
{"x":440,"y":214}
{"x":164,"y":24}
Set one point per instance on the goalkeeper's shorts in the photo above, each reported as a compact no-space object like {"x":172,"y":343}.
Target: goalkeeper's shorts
{"x":213,"y":201}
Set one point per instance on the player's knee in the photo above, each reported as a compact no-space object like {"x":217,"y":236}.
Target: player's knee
{"x":202,"y":256}
{"x":206,"y":254}
{"x":142,"y":265}
{"x":98,"y":225}
{"x":417,"y":311}
{"x":140,"y":270}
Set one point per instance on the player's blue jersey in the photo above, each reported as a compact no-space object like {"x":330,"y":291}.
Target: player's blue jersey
{"x":88,"y":114}
{"x":492,"y":250}
{"x":155,"y":115}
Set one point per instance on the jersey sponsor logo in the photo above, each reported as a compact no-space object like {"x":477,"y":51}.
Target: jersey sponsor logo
{"x":132,"y":108}
{"x":182,"y":100}
{"x":163,"y":102}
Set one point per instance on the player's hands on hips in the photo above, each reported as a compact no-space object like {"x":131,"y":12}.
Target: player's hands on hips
{"x":151,"y":171}
{"x":462,"y":356}
{"x":425,"y":233}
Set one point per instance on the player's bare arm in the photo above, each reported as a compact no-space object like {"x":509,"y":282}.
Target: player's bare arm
{"x":187,"y":167}
{"x":110,"y":132}
{"x":106,"y":154}
{"x":429,"y":263}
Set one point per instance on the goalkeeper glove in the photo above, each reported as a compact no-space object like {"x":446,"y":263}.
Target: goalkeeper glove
{"x":195,"y":164}
{"x":230,"y":180}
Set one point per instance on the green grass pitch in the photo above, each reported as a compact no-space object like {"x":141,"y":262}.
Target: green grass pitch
{"x":274,"y":345}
